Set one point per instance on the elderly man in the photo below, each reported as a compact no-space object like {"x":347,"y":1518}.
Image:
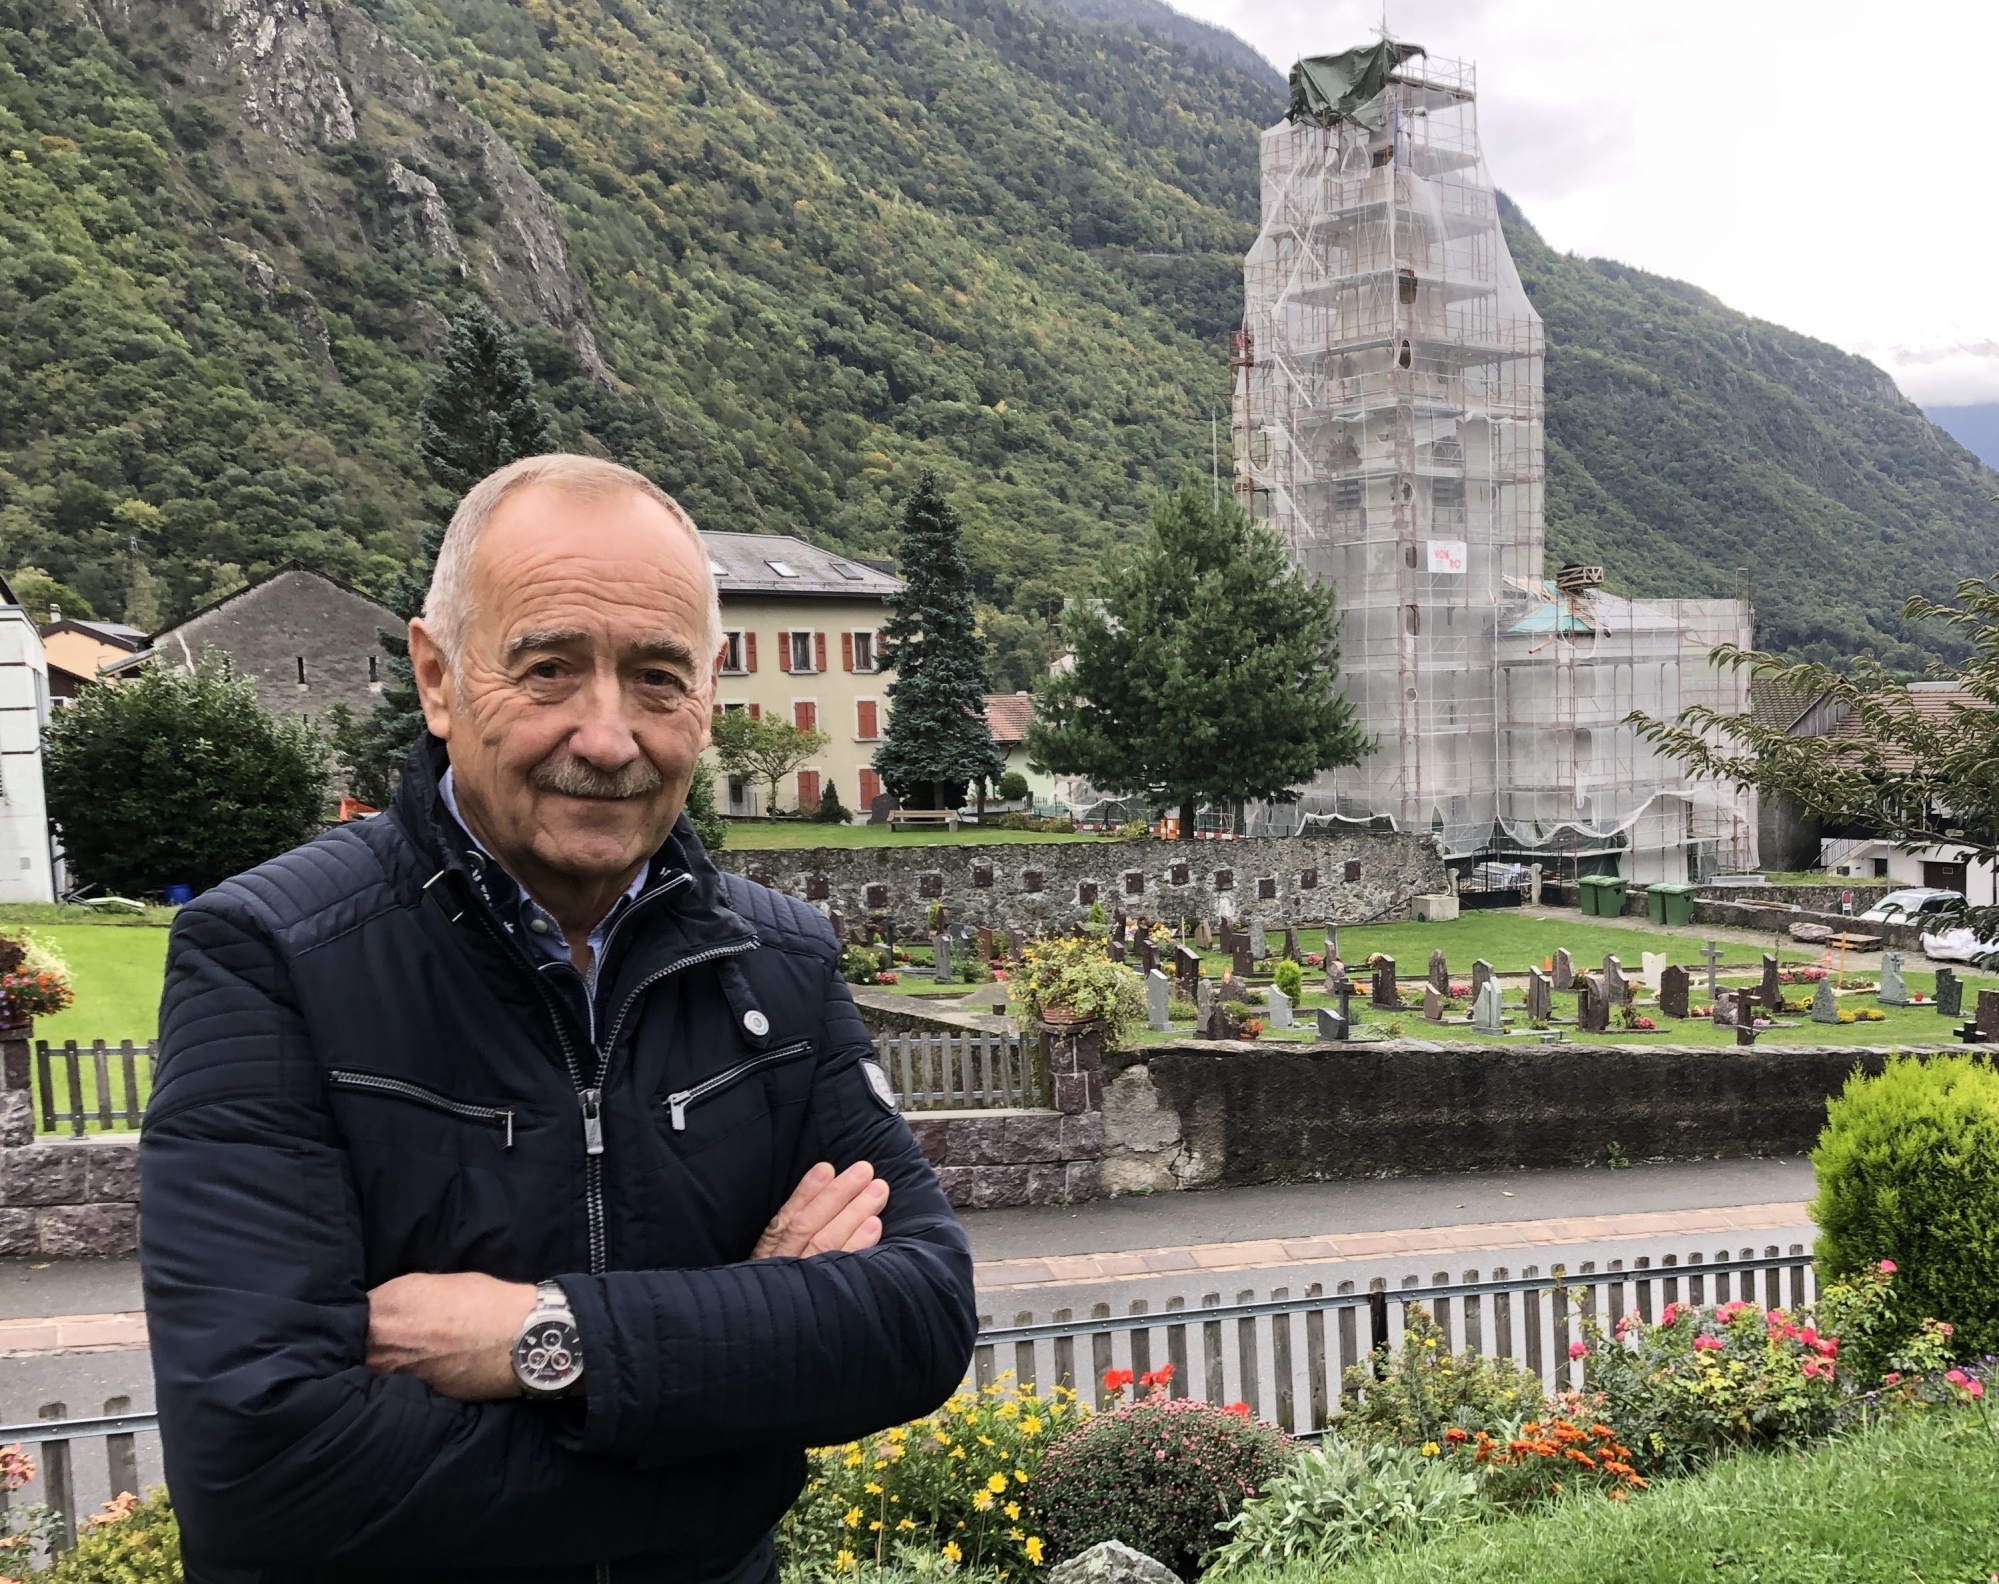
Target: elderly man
{"x":521,"y":1198}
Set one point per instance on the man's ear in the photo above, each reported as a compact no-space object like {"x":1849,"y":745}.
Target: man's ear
{"x":433,"y":680}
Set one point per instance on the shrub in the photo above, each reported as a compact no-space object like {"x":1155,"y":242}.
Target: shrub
{"x":1908,"y":1171}
{"x":1019,"y":822}
{"x":831,"y":810}
{"x":955,"y":1482}
{"x":1546,"y":1459}
{"x":129,"y":1542}
{"x":1290,"y":978}
{"x":863,"y":965}
{"x":1340,"y":1498}
{"x":1012,"y":787}
{"x":1161,"y":1474}
{"x":1426,"y":1389}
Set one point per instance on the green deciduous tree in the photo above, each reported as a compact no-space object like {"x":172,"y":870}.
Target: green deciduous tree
{"x":176,"y":777}
{"x":1206,"y":671}
{"x":701,"y":811}
{"x":937,"y":738}
{"x":479,"y":413}
{"x":765,"y":749}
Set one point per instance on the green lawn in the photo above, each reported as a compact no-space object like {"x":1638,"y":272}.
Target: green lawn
{"x":1911,"y":1503}
{"x":745,"y":834}
{"x":116,"y":972}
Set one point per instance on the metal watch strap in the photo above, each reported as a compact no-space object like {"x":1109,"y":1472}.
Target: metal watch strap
{"x":551,"y":1303}
{"x":549,"y":1299}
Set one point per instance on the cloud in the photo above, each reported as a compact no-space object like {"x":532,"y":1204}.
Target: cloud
{"x":1960,"y":375}
{"x":1546,"y":151}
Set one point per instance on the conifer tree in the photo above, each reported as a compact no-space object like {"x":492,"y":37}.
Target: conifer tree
{"x":1206,"y":672}
{"x":477,"y":414}
{"x":937,"y":738}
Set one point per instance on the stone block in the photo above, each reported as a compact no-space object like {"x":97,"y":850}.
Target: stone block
{"x":1083,"y":1136}
{"x":1072,"y":1094}
{"x":1047,"y":1183}
{"x":1027,"y":1139}
{"x":957,"y":1182}
{"x":1082,"y":1181}
{"x":977,"y":1141}
{"x":933,"y":1137}
{"x":17,"y":1118}
{"x":999,"y":1187}
{"x":113,"y":1172}
{"x":44,"y":1174}
{"x":89,"y":1229}
{"x":18,"y":1232}
{"x":16,"y":1067}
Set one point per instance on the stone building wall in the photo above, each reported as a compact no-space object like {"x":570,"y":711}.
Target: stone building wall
{"x":1347,"y":879}
{"x":60,"y":1196}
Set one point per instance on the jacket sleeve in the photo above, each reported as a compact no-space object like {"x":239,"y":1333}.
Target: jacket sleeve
{"x":280,"y":1447}
{"x":798,"y":1352}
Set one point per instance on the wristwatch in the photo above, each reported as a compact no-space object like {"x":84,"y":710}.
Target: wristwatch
{"x":548,"y":1354}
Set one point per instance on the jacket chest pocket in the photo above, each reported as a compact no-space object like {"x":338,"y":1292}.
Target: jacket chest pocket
{"x":726,"y":1103}
{"x":499,"y":1119}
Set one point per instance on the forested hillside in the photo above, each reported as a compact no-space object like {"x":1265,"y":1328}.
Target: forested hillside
{"x":783,"y":254}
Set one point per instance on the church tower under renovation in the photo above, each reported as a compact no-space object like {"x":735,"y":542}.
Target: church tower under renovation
{"x":1388,"y":424}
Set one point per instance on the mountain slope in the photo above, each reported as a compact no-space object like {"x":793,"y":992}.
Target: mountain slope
{"x":1155,"y":16}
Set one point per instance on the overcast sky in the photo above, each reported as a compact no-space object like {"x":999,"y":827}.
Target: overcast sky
{"x":1832,"y":166}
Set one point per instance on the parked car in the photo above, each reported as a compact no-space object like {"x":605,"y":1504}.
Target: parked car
{"x":1912,"y":905}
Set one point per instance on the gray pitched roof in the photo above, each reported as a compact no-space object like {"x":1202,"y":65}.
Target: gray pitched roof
{"x":778,"y":564}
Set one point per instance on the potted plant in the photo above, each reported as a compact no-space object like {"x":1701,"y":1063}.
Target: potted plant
{"x":34,"y":982}
{"x":1069,"y":979}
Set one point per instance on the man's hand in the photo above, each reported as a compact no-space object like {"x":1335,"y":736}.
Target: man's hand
{"x":453,"y":1333}
{"x":827,"y":1214}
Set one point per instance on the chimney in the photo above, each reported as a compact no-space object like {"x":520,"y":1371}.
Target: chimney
{"x":55,"y":614}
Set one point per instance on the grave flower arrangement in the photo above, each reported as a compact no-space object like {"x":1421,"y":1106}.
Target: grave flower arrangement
{"x":1071,"y":979}
{"x":34,"y":980}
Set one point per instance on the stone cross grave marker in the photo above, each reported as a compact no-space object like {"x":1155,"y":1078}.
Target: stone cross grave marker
{"x":1540,"y":996}
{"x":1440,"y":973}
{"x":1331,"y":1025}
{"x":1615,"y":991}
{"x":1950,"y":992}
{"x":1592,"y":1005}
{"x":1650,"y":966}
{"x":1386,"y":994}
{"x":1988,"y":1015}
{"x":1203,"y":936}
{"x":940,"y":945}
{"x":1745,"y":1019}
{"x":1187,"y":967}
{"x":1712,"y":957}
{"x":1481,"y":975}
{"x":1279,"y":1005}
{"x":1158,"y":992}
{"x":1825,"y":1006}
{"x":1433,"y":1004}
{"x":1565,"y":970}
{"x":1673,"y":990}
{"x":1485,"y":1013}
{"x":1772,"y":992}
{"x":1259,"y":942}
{"x":1893,"y":991}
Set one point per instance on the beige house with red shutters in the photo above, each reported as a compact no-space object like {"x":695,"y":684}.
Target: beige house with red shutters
{"x":803,"y":628}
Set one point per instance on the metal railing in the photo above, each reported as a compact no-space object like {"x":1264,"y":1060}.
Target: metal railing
{"x":88,"y":1078}
{"x":1249,"y":1350}
{"x":974,"y":1071}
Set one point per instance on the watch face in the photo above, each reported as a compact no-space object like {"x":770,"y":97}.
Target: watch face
{"x":548,"y":1358}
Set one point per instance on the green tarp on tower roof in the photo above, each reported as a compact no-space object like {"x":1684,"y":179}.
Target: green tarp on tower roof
{"x":1329,"y":88}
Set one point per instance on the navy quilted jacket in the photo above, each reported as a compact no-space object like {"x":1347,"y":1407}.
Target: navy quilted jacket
{"x":363,"y":1075}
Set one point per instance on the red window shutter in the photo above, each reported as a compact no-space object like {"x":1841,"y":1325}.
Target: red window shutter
{"x":749,"y":651}
{"x":784,"y":652}
{"x":871,"y":788}
{"x":808,"y":789}
{"x":846,"y":651}
{"x":819,"y":651}
{"x":756,"y":712}
{"x":718,"y":712}
{"x":805,"y":716}
{"x":865,"y":726}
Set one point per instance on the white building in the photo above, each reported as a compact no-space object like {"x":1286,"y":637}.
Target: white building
{"x":1388,"y":425}
{"x":27,"y":871}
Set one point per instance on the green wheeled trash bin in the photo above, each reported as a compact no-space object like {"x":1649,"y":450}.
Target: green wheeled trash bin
{"x":1587,"y":896}
{"x":1672,"y":903}
{"x":1610,"y":895}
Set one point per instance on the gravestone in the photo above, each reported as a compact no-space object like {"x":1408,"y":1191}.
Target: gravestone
{"x":1950,"y":992}
{"x":1158,"y":994}
{"x":1187,"y":968}
{"x":1533,"y":885}
{"x":1115,"y":951}
{"x":1440,"y":973}
{"x":1334,"y":974}
{"x":888,"y":936}
{"x":1259,"y":942}
{"x":1485,"y":1011}
{"x":1291,"y":952}
{"x":839,"y":922}
{"x":1386,"y":994}
{"x":1651,"y":966}
{"x":881,"y":806}
{"x":1988,"y":1015}
{"x":1481,"y":975}
{"x":1118,"y":922}
{"x":986,"y":942}
{"x":1232,"y":988}
{"x":1592,"y":1008}
{"x":1331,"y":1025}
{"x":1615,"y":990}
{"x":1893,"y":991}
{"x":1148,"y":954}
{"x":1825,"y":1005}
{"x":1203,"y":936}
{"x":940,"y":944}
{"x":1332,"y":941}
{"x":1204,"y":1000}
{"x":1016,"y":944}
{"x":1712,"y":957}
{"x":1240,"y":963}
{"x":1723,"y":1013}
{"x":1279,"y":1005}
{"x":1673,"y":990}
{"x":1433,"y":1005}
{"x":1745,"y":1019}
{"x":1771,"y":993}
{"x":1540,"y":997}
{"x":1565,"y":970}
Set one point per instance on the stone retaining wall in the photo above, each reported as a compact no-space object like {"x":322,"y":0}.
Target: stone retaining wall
{"x":1349,"y":879}
{"x":60,"y":1196}
{"x":1893,"y":934}
{"x":1813,"y":898}
{"x":992,"y":1159}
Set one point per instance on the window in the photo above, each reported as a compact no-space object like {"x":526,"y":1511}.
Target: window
{"x":864,"y":651}
{"x":805,"y":715}
{"x":732,"y":653}
{"x":852,"y":574}
{"x":871,"y":788}
{"x":1880,"y":868}
{"x":735,"y":709}
{"x":800,"y":647}
{"x":783,"y":569}
{"x":808,"y":790}
{"x":301,"y":669}
{"x":374,"y":674}
{"x":867,"y":720}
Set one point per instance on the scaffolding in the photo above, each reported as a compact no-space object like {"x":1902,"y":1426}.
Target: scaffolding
{"x":1388,"y":424}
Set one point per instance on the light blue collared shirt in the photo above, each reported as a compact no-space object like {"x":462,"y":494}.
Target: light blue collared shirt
{"x":537,"y":925}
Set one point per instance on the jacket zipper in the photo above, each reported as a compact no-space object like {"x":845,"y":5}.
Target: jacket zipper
{"x":500,"y":1116}
{"x":677,"y":1104}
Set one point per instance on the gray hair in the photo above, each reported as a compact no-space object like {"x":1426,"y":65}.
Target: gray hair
{"x":448,"y":608}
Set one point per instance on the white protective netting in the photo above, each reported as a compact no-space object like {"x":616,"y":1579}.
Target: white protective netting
{"x":1388,"y":425}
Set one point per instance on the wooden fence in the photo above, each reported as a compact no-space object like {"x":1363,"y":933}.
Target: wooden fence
{"x":1249,"y":1351}
{"x":104,"y":1086}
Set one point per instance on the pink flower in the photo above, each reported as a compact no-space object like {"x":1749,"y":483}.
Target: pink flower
{"x":1955,"y":1377}
{"x":1974,"y":1389}
{"x":1671,"y":1312}
{"x":1886,"y":1267}
{"x":1578,"y":1349}
{"x":1708,"y":1344}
